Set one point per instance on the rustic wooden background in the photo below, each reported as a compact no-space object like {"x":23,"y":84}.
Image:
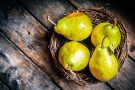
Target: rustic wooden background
{"x":25,"y":60}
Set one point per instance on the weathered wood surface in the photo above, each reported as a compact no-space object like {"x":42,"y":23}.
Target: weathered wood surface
{"x":87,"y":4}
{"x":125,"y":79}
{"x":18,"y":71}
{"x":3,"y":86}
{"x":27,"y":34}
{"x":27,"y":76}
{"x":84,"y":4}
{"x":131,"y":38}
{"x":32,"y":38}
{"x":43,"y":8}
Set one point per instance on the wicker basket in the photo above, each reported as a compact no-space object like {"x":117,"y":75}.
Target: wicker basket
{"x":97,"y":16}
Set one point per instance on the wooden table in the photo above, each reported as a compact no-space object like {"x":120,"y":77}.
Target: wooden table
{"x":25,"y":60}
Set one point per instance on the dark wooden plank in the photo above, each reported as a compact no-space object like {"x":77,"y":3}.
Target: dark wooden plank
{"x":89,"y":3}
{"x":98,"y":86}
{"x":35,"y":79}
{"x":42,"y":8}
{"x":83,"y":4}
{"x":125,"y":79}
{"x":30,"y":37}
{"x":3,"y":86}
{"x":18,"y":72}
{"x":131,"y":37}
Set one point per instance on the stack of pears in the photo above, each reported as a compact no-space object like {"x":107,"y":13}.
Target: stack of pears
{"x":74,"y":56}
{"x":103,"y":64}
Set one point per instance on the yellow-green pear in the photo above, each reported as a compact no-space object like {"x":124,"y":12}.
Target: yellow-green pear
{"x":106,"y":29}
{"x":103,"y":64}
{"x":74,"y":56}
{"x":75,"y":26}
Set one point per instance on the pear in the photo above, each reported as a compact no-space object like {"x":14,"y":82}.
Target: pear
{"x":75,"y":26}
{"x":74,"y":56}
{"x":103,"y":64}
{"x":106,"y":29}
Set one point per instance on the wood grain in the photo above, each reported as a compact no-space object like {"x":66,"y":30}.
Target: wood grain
{"x":18,"y":72}
{"x":3,"y":86}
{"x":131,"y":37}
{"x":87,"y":4}
{"x":82,"y":4}
{"x":43,"y":8}
{"x":125,"y":77}
{"x":32,"y":38}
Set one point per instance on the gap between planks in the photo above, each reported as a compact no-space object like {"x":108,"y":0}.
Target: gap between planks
{"x":6,"y":87}
{"x":131,"y":58}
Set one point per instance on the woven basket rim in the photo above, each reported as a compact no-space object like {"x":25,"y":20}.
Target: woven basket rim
{"x":122,"y":49}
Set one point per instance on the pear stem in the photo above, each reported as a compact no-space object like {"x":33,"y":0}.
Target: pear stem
{"x":102,"y":45}
{"x":69,"y":68}
{"x":52,"y":22}
{"x":115,"y":21}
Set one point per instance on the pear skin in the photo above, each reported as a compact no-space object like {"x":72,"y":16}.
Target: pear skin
{"x":76,"y":26}
{"x":75,"y":55}
{"x":106,"y":29}
{"x":103,"y":64}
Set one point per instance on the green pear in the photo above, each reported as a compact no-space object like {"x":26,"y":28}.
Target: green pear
{"x":103,"y":64}
{"x":74,"y":56}
{"x":75,"y":26}
{"x":106,"y":29}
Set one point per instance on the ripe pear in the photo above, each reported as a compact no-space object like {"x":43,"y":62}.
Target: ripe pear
{"x":103,"y":64}
{"x":106,"y":29}
{"x":75,"y":26}
{"x":74,"y":56}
